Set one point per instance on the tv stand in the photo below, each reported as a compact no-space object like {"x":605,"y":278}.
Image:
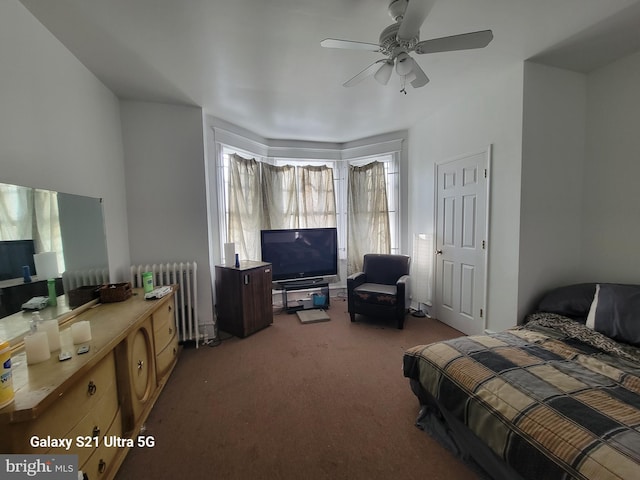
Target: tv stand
{"x":305,"y":284}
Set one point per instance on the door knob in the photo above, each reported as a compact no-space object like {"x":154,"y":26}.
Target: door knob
{"x":438,"y":252}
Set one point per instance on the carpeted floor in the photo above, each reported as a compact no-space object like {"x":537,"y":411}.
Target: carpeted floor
{"x":324,"y":400}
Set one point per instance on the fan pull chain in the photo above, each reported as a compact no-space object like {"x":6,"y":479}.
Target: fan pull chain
{"x":404,"y":84}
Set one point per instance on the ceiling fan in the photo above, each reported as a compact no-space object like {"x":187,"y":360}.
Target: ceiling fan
{"x":403,"y":37}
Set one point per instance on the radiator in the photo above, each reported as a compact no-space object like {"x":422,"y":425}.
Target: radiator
{"x":185,"y":275}
{"x":72,"y":279}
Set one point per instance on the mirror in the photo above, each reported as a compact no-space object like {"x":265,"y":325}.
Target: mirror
{"x":34,"y":220}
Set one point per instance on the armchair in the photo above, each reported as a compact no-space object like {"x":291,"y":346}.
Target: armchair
{"x":381,"y":289}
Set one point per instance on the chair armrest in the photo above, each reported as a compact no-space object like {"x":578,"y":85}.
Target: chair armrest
{"x":356,"y":279}
{"x":403,"y":288}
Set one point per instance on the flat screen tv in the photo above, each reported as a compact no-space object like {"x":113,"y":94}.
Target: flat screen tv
{"x":300,"y":253}
{"x":14,"y":254}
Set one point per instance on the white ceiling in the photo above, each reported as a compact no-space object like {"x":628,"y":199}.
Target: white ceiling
{"x":258,"y":64}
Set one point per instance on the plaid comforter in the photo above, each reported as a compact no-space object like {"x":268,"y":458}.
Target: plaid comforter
{"x":554,"y":399}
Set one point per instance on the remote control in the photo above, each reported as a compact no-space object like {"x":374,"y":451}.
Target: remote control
{"x":158,"y":293}
{"x":64,"y":356}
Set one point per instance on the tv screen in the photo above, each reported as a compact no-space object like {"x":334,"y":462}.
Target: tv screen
{"x":14,"y":254}
{"x":300,"y":253}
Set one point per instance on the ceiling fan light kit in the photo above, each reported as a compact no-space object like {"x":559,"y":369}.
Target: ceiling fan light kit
{"x":404,"y":64}
{"x":383,"y":74}
{"x":403,"y":37}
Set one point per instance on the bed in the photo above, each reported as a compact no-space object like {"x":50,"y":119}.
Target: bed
{"x":557,"y":397}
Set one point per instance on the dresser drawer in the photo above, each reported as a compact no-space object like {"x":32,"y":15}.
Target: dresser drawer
{"x":66,"y":412}
{"x":166,"y":358}
{"x":164,"y":326}
{"x":101,"y":463}
{"x":90,"y":431}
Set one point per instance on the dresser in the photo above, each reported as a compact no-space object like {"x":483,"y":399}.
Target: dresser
{"x":100,"y":397}
{"x":243,"y":297}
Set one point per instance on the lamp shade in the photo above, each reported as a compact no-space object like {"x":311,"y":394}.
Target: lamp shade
{"x":384,"y":73}
{"x":422,"y":268}
{"x":411,"y":76}
{"x":46,"y":264}
{"x":229,"y":254}
{"x":404,"y":64}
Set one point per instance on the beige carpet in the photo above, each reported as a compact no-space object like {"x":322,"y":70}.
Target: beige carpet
{"x":295,"y":401}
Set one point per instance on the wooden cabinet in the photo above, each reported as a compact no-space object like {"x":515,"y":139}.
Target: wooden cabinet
{"x":243,"y":297}
{"x":102,"y":395}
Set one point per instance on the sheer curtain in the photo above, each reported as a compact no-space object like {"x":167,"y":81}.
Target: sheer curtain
{"x":16,"y":208}
{"x":317,"y":197}
{"x":279,"y":197}
{"x":31,"y":214}
{"x":368,"y":228}
{"x":245,"y":206}
{"x":46,"y":224}
{"x":265,"y":196}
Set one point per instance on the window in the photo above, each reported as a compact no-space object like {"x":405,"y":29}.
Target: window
{"x":309,"y":214}
{"x":31,"y":214}
{"x":392,"y":177}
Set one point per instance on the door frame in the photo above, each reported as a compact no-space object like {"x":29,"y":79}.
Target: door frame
{"x":488,"y":153}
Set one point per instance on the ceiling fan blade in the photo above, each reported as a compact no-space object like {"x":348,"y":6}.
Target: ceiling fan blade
{"x":413,"y":18}
{"x":370,"y":70}
{"x":348,"y":44}
{"x":421,"y":78}
{"x":464,"y":41}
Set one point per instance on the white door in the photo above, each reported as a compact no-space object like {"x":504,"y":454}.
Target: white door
{"x":461,"y":242}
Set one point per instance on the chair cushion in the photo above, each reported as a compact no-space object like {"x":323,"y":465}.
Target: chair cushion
{"x":376,"y":293}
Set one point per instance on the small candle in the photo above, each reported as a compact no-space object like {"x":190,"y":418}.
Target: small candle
{"x":37,"y":347}
{"x":81,"y":332}
{"x":50,"y":327}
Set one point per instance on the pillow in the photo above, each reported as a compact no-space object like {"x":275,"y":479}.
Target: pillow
{"x":591,"y":318}
{"x":617,"y":312}
{"x":573,"y":301}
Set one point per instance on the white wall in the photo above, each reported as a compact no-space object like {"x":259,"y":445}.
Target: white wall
{"x":166,"y":194}
{"x":564,"y":200}
{"x":611,"y":218}
{"x":553,"y":150}
{"x":580,"y":196}
{"x":489,"y":115}
{"x":59,"y":126}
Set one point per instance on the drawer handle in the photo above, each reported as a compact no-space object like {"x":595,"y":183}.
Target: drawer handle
{"x":91,"y":388}
{"x":170,"y":330}
{"x":95,"y":432}
{"x":169,"y":307}
{"x":102,"y":466}
{"x":140,"y":365}
{"x":174,"y":351}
